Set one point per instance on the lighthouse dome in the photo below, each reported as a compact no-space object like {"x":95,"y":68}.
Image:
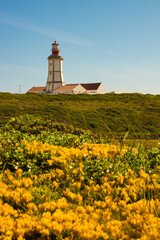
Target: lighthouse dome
{"x":55,"y":49}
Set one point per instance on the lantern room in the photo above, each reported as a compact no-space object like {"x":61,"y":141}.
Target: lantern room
{"x":55,"y":49}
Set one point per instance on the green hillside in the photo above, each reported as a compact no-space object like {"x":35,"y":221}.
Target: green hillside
{"x":126,"y":115}
{"x":61,"y":182}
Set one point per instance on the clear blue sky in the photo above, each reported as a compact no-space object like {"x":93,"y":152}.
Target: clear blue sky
{"x":116,"y":42}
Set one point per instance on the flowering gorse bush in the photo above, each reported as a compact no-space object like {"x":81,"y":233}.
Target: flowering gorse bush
{"x":60,"y":204}
{"x":85,"y":190}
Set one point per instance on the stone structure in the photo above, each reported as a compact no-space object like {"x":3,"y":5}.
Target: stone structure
{"x":55,"y":71}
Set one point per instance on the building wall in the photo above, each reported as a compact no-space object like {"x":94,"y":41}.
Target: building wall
{"x":101,"y":89}
{"x":61,"y":69}
{"x":35,"y":91}
{"x":63,"y":92}
{"x":55,"y":74}
{"x":56,"y":85}
{"x":91,"y":91}
{"x":118,"y":92}
{"x":79,"y":89}
{"x":57,"y":65}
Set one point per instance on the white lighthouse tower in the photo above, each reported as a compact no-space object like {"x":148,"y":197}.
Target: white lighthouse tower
{"x":55,"y":71}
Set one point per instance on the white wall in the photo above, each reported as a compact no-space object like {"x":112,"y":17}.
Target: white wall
{"x":57,"y":77}
{"x":56,"y":65}
{"x":79,"y":89}
{"x":63,"y":92}
{"x":91,"y":91}
{"x":101,"y":89}
{"x":55,"y":74}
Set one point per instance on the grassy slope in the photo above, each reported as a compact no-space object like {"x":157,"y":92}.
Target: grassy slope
{"x":109,"y":114}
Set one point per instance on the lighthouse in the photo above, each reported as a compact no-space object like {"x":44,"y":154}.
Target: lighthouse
{"x":55,"y":71}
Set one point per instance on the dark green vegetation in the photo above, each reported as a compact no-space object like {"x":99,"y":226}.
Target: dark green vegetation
{"x":121,"y":116}
{"x":31,"y":129}
{"x":17,"y":131}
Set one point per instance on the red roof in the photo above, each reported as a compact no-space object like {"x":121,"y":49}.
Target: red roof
{"x":67,"y":87}
{"x":55,"y":43}
{"x":36,"y":89}
{"x":90,"y":86}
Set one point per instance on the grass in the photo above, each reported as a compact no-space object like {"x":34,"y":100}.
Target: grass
{"x":108,"y":114}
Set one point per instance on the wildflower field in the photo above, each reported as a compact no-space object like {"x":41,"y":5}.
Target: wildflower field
{"x":64,"y":183}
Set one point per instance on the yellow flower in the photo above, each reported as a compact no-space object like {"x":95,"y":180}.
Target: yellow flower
{"x":32,"y":207}
{"x":120,"y":179}
{"x":50,"y":162}
{"x":55,"y":184}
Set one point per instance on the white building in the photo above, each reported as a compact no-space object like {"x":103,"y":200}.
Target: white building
{"x":55,"y":81}
{"x":90,"y":88}
{"x":94,"y":88}
{"x":118,"y":92}
{"x":70,"y":89}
